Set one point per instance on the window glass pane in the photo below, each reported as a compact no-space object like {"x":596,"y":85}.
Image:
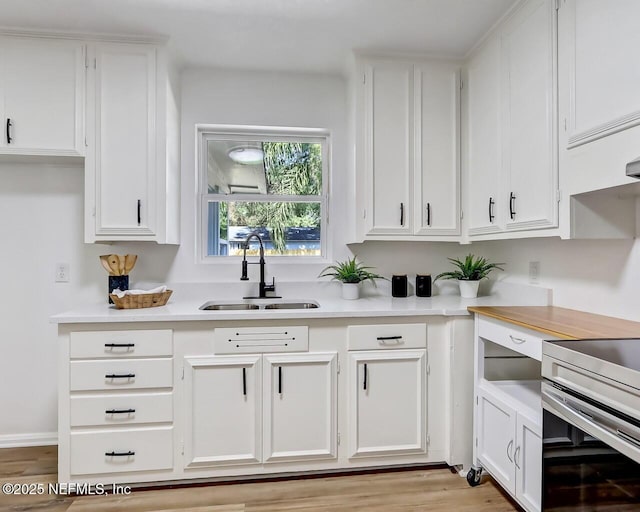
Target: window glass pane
{"x":260,"y":167}
{"x":286,"y":228}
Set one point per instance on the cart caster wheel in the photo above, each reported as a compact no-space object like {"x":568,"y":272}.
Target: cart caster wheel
{"x":474,"y":476}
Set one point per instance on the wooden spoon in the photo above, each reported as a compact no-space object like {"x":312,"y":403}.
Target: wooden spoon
{"x":114,"y":264}
{"x":129,"y":262}
{"x":104,"y":259}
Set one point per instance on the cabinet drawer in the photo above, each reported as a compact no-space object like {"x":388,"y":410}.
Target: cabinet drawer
{"x":518,"y":339}
{"x":121,"y":409}
{"x":144,"y":449}
{"x":252,"y":340}
{"x":121,"y":374}
{"x":112,"y":344}
{"x":387,"y":336}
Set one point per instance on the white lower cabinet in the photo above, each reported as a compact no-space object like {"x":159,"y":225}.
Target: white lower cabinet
{"x":528,"y":462}
{"x":387,"y":402}
{"x":254,"y":408}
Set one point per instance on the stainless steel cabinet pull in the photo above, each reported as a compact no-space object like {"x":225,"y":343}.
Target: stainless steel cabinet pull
{"x":428,"y":214}
{"x":509,"y":446}
{"x":491,"y":215}
{"x":364,"y":380}
{"x":402,"y":214}
{"x":120,"y":454}
{"x":518,"y":341}
{"x":279,"y":380}
{"x":512,"y":200}
{"x":120,"y":376}
{"x":244,"y":381}
{"x":516,"y":457}
{"x":9,"y":125}
{"x":119,"y":411}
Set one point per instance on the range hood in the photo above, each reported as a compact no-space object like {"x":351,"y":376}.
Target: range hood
{"x":633,"y":168}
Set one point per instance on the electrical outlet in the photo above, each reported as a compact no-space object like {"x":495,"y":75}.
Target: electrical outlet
{"x":62,"y":272}
{"x":534,"y":271}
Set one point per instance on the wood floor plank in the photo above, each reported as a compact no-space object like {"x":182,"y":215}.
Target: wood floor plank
{"x":433,"y":490}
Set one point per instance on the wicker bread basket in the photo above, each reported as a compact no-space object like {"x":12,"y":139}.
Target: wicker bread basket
{"x":144,"y":300}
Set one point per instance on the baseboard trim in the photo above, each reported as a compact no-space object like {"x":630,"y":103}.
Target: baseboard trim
{"x":36,"y":439}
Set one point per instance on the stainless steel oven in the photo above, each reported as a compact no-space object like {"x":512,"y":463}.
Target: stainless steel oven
{"x":591,"y":425}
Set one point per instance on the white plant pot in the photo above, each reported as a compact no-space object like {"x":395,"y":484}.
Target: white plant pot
{"x":350,"y":291}
{"x":469,"y":289}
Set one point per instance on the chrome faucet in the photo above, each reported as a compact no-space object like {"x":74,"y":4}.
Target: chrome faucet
{"x":264,"y":287}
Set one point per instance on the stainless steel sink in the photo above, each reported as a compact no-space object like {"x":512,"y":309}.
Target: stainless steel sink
{"x":251,"y":306}
{"x":228,"y":307}
{"x":292,"y":305}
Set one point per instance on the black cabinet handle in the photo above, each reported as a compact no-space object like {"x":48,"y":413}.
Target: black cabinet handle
{"x":402,"y":214}
{"x":119,"y":411}
{"x":491,"y":215}
{"x":119,"y":345}
{"x":512,"y":200}
{"x":9,"y":138}
{"x":120,"y":454}
{"x":120,"y":376}
{"x":139,"y":212}
{"x":364,"y":380}
{"x":428,"y":214}
{"x":385,"y":338}
{"x":244,"y":381}
{"x":279,"y":380}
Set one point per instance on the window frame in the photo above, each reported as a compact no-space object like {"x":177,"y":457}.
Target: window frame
{"x":206,"y":132}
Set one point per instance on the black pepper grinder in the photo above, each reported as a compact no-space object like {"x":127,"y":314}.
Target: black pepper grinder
{"x":399,"y":285}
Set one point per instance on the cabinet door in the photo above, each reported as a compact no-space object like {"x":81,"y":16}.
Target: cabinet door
{"x":387,"y":402}
{"x":122,"y":153}
{"x":437,"y":174}
{"x":300,"y":406}
{"x":496,"y":439}
{"x":222,"y":410}
{"x":528,"y":461}
{"x":42,"y":85}
{"x":529,"y":117}
{"x":485,"y":202}
{"x":388,"y":121}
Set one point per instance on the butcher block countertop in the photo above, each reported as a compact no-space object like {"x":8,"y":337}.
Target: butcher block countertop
{"x":561,"y":322}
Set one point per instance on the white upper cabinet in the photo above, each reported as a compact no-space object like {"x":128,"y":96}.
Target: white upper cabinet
{"x":131,"y":161}
{"x":407,"y":124}
{"x":42,"y":84}
{"x":599,"y":93}
{"x":484,"y":157}
{"x":529,"y":116}
{"x":511,"y":114}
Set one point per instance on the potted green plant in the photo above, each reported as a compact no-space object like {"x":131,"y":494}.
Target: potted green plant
{"x":350,"y":273}
{"x":469,"y":272}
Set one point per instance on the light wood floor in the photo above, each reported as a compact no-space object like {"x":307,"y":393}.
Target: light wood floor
{"x":430,"y":490}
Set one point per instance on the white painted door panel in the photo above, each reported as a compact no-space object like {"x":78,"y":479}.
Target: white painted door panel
{"x":437,"y":187}
{"x":389,"y":145}
{"x":387,"y":402}
{"x":223,"y":420}
{"x":496,"y":439}
{"x":300,"y":404}
{"x":125,"y":139}
{"x":528,"y":461}
{"x":484,"y":161}
{"x":529,"y":155}
{"x":42,"y":84}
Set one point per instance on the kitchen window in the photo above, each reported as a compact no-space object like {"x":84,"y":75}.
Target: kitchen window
{"x":268,"y":180}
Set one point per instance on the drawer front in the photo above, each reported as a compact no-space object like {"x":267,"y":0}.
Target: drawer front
{"x":121,"y":374}
{"x":258,"y":340}
{"x":387,"y":336}
{"x":121,"y":409}
{"x":518,"y":339}
{"x":113,"y":344}
{"x":119,"y":451}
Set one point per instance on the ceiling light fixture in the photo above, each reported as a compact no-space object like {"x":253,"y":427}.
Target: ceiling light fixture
{"x":246,"y":155}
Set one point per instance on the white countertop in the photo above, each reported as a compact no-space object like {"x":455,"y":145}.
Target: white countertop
{"x":185,"y":303}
